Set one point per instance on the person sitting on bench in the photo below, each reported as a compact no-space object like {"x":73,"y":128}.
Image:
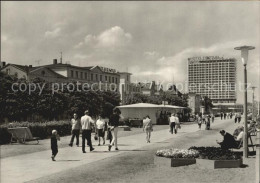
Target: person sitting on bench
{"x":228,"y":141}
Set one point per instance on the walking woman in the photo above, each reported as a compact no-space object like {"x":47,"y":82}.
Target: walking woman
{"x":148,"y":128}
{"x":199,"y":121}
{"x":113,"y":123}
{"x":207,"y":127}
{"x":101,"y":129}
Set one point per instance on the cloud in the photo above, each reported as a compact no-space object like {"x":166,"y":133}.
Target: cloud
{"x":52,"y":34}
{"x":114,"y":37}
{"x":151,"y":54}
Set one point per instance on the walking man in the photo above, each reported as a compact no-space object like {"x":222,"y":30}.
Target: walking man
{"x":236,"y":117}
{"x":172,"y":123}
{"x":86,"y":123}
{"x":225,"y":115}
{"x":75,"y":122}
{"x":239,"y":117}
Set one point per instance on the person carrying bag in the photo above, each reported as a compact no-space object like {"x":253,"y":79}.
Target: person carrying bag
{"x":178,"y":125}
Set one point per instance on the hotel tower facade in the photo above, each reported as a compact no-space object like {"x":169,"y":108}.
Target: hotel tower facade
{"x":213,"y":76}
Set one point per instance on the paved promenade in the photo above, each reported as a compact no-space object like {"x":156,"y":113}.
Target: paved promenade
{"x":32,"y":166}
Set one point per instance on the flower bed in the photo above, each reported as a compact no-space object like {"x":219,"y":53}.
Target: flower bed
{"x":207,"y":157}
{"x":215,"y":157}
{"x":42,"y":130}
{"x":214,"y":164}
{"x":215,"y":153}
{"x":178,"y":157}
{"x":178,"y":153}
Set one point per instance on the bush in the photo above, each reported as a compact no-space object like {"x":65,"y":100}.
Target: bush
{"x":41,"y":130}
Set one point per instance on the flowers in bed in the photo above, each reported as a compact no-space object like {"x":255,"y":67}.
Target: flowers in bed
{"x":216,"y":153}
{"x":212,"y":153}
{"x":177,"y":153}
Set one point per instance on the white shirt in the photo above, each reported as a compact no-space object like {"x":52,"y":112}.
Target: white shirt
{"x":100,"y":123}
{"x":147,"y":123}
{"x":86,"y":122}
{"x":75,"y":124}
{"x":240,"y":136}
{"x":172,"y":119}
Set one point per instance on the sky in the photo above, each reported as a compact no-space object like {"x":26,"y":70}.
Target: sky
{"x":152,"y":40}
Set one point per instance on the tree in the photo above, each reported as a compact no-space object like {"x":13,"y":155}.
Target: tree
{"x":207,"y":103}
{"x":137,"y":98}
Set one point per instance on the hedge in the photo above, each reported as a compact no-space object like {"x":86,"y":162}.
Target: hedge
{"x":41,"y":130}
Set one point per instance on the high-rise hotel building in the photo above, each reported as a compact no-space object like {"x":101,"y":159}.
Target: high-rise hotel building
{"x":213,"y":76}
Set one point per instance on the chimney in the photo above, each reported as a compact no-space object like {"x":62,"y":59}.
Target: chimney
{"x":55,"y":61}
{"x":30,"y":66}
{"x":3,"y":64}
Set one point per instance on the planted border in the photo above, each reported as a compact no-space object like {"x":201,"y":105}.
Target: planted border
{"x":42,"y":130}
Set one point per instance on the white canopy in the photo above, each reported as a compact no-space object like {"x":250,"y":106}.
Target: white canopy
{"x":138,"y":105}
{"x":140,"y":110}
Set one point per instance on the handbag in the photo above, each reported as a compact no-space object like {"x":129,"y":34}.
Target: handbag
{"x":96,"y":137}
{"x":109,"y":135}
{"x":179,"y":125}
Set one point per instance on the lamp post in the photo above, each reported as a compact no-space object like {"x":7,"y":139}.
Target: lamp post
{"x":244,"y":58}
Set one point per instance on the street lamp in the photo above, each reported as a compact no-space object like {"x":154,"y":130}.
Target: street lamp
{"x":244,"y":59}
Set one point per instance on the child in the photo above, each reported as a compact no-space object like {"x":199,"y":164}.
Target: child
{"x":54,"y":144}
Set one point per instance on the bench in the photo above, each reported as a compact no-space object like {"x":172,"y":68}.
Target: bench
{"x":21,"y":135}
{"x":240,"y":144}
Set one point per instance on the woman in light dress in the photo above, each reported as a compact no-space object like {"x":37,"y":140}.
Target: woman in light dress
{"x":101,"y":129}
{"x":148,"y":128}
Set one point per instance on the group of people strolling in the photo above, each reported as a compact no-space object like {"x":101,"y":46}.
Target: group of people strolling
{"x":174,"y":123}
{"x":86,"y":124}
{"x":206,"y":119}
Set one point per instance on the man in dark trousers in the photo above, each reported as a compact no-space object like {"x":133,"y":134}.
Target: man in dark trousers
{"x":75,"y":122}
{"x":221,"y":115}
{"x":86,"y":124}
{"x":228,"y":141}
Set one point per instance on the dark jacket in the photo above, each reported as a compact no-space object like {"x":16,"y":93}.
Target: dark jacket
{"x":114,"y":120}
{"x":54,"y":144}
{"x":228,"y":142}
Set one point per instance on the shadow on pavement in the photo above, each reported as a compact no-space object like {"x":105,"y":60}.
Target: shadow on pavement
{"x":68,"y":160}
{"x":134,"y":150}
{"x":243,"y":166}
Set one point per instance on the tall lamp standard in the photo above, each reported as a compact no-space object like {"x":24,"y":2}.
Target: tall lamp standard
{"x":244,"y":58}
